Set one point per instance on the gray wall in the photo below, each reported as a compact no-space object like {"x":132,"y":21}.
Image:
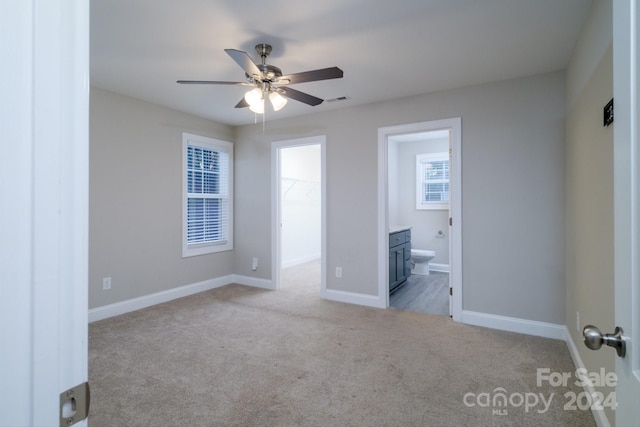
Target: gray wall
{"x":135,"y":199}
{"x":589,"y":189}
{"x":512,"y":195}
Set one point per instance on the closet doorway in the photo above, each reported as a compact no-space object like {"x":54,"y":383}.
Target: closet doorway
{"x":298,"y":217}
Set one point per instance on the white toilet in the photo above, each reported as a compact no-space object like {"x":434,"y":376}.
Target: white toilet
{"x":420,"y":261}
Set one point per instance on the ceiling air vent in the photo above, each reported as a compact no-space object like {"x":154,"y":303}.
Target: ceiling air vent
{"x":340,"y":98}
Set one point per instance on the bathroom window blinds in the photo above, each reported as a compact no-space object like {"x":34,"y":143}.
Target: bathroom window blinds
{"x":432,"y":181}
{"x":207,"y":165}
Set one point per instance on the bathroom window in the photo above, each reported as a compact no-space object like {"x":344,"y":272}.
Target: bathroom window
{"x":207,"y":195}
{"x":432,"y":181}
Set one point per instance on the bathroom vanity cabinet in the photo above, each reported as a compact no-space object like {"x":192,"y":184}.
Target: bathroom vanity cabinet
{"x":399,"y":258}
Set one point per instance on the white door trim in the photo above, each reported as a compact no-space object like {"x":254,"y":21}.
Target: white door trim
{"x":455,"y":207}
{"x":276,"y":214}
{"x":43,"y":206}
{"x":626,"y":38}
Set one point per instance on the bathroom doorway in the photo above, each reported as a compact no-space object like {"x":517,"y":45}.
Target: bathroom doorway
{"x":418,"y":170}
{"x":298,"y":204}
{"x":421,"y":207}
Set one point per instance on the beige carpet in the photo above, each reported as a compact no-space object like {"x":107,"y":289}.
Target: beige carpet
{"x":239,"y":356}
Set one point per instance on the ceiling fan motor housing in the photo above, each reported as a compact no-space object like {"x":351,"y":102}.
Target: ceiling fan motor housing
{"x":271,"y":72}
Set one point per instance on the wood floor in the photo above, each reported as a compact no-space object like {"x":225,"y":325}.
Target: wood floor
{"x":423,"y":294}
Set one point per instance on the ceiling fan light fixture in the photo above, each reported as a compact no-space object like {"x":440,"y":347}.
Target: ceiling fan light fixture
{"x":254,"y":97}
{"x":258,"y":107}
{"x":278,"y":101}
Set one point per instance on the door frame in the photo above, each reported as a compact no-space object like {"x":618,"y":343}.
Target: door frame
{"x":45,"y":158}
{"x":454,"y":125}
{"x":626,"y":77}
{"x":276,"y":207}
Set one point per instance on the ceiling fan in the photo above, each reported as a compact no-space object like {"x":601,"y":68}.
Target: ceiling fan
{"x":268,"y":81}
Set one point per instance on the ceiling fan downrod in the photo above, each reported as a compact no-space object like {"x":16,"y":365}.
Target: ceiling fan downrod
{"x":270,"y":72}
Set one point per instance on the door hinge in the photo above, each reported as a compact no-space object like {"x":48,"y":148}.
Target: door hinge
{"x":450,"y":222}
{"x":74,"y":404}
{"x":450,"y":291}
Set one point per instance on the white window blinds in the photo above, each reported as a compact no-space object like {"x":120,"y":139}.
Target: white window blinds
{"x":432,"y":181}
{"x":207,"y":210}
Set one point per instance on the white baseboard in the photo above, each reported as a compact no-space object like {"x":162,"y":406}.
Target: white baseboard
{"x":297,"y":261}
{"x":599,"y":416}
{"x":122,"y":307}
{"x":513,"y":324}
{"x":353,"y":298}
{"x":116,"y":309}
{"x":444,"y":268}
{"x":256,"y":282}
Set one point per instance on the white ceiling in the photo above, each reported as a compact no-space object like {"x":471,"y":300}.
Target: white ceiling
{"x":387,"y":49}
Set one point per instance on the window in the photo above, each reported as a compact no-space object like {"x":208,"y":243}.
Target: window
{"x":432,"y":181}
{"x":207,"y":195}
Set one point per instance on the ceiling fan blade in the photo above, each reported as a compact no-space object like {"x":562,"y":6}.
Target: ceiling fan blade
{"x":242,"y":103}
{"x":245,"y":62}
{"x":299,"y":96}
{"x":312,"y":76}
{"x":212,"y":82}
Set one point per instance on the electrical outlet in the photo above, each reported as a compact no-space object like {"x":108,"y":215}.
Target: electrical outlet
{"x":106,"y":283}
{"x":578,"y":321}
{"x":338,"y":272}
{"x":254,"y":264}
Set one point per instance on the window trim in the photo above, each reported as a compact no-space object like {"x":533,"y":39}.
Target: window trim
{"x":430,"y":205}
{"x":207,"y":143}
